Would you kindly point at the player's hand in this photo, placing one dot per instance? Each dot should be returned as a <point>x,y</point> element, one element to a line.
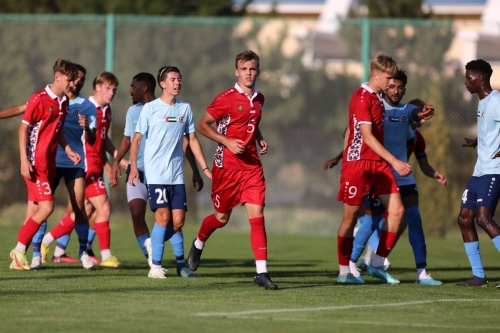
<point>82,121</point>
<point>73,156</point>
<point>208,173</point>
<point>440,178</point>
<point>197,181</point>
<point>263,145</point>
<point>470,143</point>
<point>133,176</point>
<point>404,169</point>
<point>235,146</point>
<point>426,113</point>
<point>330,164</point>
<point>26,169</point>
<point>115,169</point>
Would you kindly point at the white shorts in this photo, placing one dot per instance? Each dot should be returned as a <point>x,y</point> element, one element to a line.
<point>139,191</point>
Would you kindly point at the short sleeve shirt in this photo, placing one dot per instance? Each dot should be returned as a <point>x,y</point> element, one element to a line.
<point>163,127</point>
<point>131,120</point>
<point>238,116</point>
<point>96,154</point>
<point>45,115</point>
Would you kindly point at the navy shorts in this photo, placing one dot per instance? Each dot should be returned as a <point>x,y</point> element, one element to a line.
<point>69,174</point>
<point>163,196</point>
<point>482,191</point>
<point>376,205</point>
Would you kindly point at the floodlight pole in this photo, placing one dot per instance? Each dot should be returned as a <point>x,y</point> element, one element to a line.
<point>365,49</point>
<point>110,44</point>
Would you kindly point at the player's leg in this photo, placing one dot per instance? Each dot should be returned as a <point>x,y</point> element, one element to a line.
<point>31,208</point>
<point>137,197</point>
<point>36,261</point>
<point>177,242</point>
<point>89,208</point>
<point>345,241</point>
<point>103,232</point>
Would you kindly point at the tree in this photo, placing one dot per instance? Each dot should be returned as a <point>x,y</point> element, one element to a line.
<point>396,9</point>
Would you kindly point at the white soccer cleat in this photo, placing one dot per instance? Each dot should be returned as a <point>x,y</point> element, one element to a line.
<point>149,249</point>
<point>157,273</point>
<point>87,263</point>
<point>36,263</point>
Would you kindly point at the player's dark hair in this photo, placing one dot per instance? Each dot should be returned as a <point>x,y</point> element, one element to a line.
<point>163,72</point>
<point>247,56</point>
<point>480,66</point>
<point>401,76</point>
<point>67,68</point>
<point>80,68</point>
<point>147,79</point>
<point>417,102</point>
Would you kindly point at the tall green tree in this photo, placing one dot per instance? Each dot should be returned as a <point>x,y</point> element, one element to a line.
<point>396,8</point>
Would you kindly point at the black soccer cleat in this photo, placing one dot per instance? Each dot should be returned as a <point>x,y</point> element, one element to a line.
<point>264,280</point>
<point>497,285</point>
<point>194,256</point>
<point>474,281</point>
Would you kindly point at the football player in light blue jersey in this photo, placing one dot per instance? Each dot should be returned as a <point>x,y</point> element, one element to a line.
<point>142,91</point>
<point>482,192</point>
<point>397,132</point>
<point>163,123</point>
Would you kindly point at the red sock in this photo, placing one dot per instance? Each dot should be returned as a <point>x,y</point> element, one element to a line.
<point>344,249</point>
<point>208,226</point>
<point>258,238</point>
<point>386,243</point>
<point>63,228</point>
<point>103,234</point>
<point>28,230</point>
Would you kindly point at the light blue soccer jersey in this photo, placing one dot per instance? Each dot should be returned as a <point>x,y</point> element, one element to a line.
<point>131,120</point>
<point>163,127</point>
<point>488,135</point>
<point>397,131</point>
<point>74,133</point>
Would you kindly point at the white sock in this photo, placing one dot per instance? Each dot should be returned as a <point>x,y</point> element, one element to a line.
<point>153,266</point>
<point>369,251</point>
<point>20,247</point>
<point>261,266</point>
<point>105,254</point>
<point>59,251</point>
<point>47,239</point>
<point>378,261</point>
<point>343,270</point>
<point>422,274</point>
<point>199,244</point>
<point>353,269</point>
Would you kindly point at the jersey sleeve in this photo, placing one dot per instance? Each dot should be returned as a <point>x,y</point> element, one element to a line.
<point>91,114</point>
<point>361,109</point>
<point>33,111</point>
<point>189,126</point>
<point>142,124</point>
<point>129,124</point>
<point>219,107</point>
<point>494,107</point>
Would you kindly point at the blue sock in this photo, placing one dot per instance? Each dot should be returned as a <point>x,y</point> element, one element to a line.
<point>177,241</point>
<point>416,235</point>
<point>82,230</point>
<point>169,232</point>
<point>374,238</point>
<point>140,240</point>
<point>495,240</point>
<point>63,241</point>
<point>369,223</point>
<point>91,237</point>
<point>472,250</point>
<point>37,239</point>
<point>158,243</point>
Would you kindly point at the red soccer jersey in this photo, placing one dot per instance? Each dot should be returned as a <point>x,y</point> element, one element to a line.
<point>365,107</point>
<point>238,117</point>
<point>418,147</point>
<point>45,114</point>
<point>96,154</point>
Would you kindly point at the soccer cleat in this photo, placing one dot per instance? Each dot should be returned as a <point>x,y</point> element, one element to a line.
<point>157,273</point>
<point>149,250</point>
<point>428,281</point>
<point>184,271</point>
<point>497,285</point>
<point>110,262</point>
<point>264,280</point>
<point>474,281</point>
<point>44,250</point>
<point>194,256</point>
<point>93,257</point>
<point>381,274</point>
<point>64,259</point>
<point>19,261</point>
<point>362,266</point>
<point>36,263</point>
<point>87,263</point>
<point>350,279</point>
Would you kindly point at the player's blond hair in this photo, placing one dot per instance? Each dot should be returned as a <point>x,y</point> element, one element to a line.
<point>66,67</point>
<point>106,77</point>
<point>385,64</point>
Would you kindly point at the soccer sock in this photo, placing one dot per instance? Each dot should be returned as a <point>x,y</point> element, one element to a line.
<point>61,244</point>
<point>416,235</point>
<point>177,241</point>
<point>62,228</point>
<point>386,244</point>
<point>37,239</point>
<point>82,231</point>
<point>26,233</point>
<point>344,249</point>
<point>208,226</point>
<point>369,223</point>
<point>496,241</point>
<point>141,240</point>
<point>157,243</point>
<point>104,236</point>
<point>258,238</point>
<point>91,237</point>
<point>368,254</point>
<point>472,250</point>
<point>373,240</point>
<point>169,232</point>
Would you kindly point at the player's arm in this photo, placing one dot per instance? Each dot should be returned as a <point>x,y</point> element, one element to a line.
<point>12,111</point>
<point>111,149</point>
<point>188,152</point>
<point>401,167</point>
<point>115,167</point>
<point>333,162</point>
<point>260,140</point>
<point>470,143</point>
<point>134,151</point>
<point>197,151</point>
<point>26,168</point>
<point>422,114</point>
<point>427,169</point>
<point>71,154</point>
<point>89,132</point>
<point>205,128</point>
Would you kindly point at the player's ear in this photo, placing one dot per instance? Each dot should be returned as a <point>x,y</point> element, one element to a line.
<point>236,72</point>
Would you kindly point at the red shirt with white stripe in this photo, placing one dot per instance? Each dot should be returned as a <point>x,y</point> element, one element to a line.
<point>45,115</point>
<point>96,154</point>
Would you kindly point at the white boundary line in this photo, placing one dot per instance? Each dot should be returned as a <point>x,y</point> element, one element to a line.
<point>342,307</point>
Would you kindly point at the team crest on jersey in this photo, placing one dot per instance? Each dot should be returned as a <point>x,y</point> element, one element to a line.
<point>51,109</point>
<point>404,119</point>
<point>181,119</point>
<point>240,107</point>
<point>480,114</point>
<point>75,113</point>
<point>377,102</point>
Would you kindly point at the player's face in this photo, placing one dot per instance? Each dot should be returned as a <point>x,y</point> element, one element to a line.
<point>247,73</point>
<point>395,92</point>
<point>78,83</point>
<point>105,92</point>
<point>382,79</point>
<point>136,91</point>
<point>172,83</point>
<point>472,81</point>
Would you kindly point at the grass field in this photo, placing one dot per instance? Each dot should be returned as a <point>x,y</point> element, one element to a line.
<point>222,298</point>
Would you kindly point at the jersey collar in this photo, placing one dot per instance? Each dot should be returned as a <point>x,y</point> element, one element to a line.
<point>255,92</point>
<point>370,90</point>
<point>103,108</point>
<point>54,96</point>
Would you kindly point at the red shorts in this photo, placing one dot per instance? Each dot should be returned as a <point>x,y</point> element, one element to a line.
<point>94,185</point>
<point>233,186</point>
<point>40,186</point>
<point>358,178</point>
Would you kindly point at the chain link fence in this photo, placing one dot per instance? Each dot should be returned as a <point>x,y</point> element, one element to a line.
<point>307,77</point>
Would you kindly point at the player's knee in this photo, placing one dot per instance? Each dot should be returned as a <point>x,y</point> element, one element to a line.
<point>483,221</point>
<point>45,210</point>
<point>463,221</point>
<point>397,212</point>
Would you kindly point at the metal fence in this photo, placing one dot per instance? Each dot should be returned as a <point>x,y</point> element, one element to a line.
<point>307,77</point>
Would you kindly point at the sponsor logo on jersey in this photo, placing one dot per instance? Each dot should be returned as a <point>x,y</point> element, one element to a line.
<point>240,107</point>
<point>171,119</point>
<point>394,119</point>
